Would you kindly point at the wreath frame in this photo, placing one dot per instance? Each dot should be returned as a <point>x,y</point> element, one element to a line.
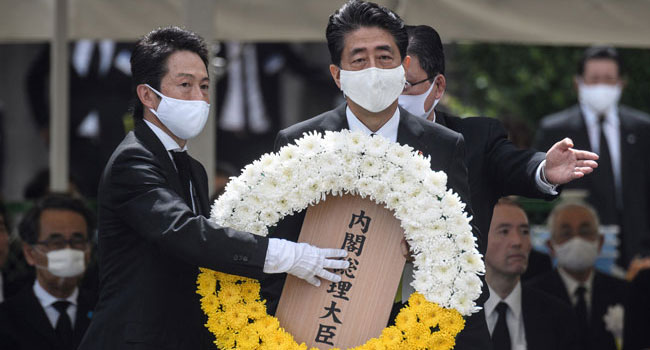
<point>447,262</point>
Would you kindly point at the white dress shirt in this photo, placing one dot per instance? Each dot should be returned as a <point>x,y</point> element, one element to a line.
<point>47,301</point>
<point>571,285</point>
<point>612,131</point>
<point>171,146</point>
<point>514,316</point>
<point>388,130</point>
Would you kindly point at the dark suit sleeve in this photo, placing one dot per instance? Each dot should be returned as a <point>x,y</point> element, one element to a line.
<point>281,140</point>
<point>513,169</point>
<point>142,198</point>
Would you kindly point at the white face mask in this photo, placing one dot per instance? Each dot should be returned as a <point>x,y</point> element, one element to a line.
<point>373,88</point>
<point>184,118</point>
<point>414,104</point>
<point>599,97</point>
<point>66,262</point>
<point>576,254</point>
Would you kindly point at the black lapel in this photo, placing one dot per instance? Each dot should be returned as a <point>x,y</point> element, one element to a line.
<point>409,132</point>
<point>336,119</point>
<point>153,144</point>
<point>34,315</point>
<point>84,314</point>
<point>532,324</point>
<point>581,138</point>
<point>200,187</point>
<point>560,288</point>
<point>598,306</point>
<point>628,139</point>
<point>441,118</point>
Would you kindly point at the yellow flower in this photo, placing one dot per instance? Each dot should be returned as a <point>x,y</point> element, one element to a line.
<point>429,314</point>
<point>250,291</point>
<point>451,322</point>
<point>248,338</point>
<point>442,340</point>
<point>418,336</point>
<point>236,318</point>
<point>229,295</point>
<point>406,319</point>
<point>416,300</point>
<point>391,337</point>
<point>256,310</point>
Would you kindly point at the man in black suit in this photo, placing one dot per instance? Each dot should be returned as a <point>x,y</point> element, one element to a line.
<point>496,167</point>
<point>520,317</point>
<point>153,199</point>
<point>367,45</point>
<point>52,313</point>
<point>620,188</point>
<point>637,313</point>
<point>575,243</point>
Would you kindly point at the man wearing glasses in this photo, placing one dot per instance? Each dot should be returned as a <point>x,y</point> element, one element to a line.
<point>53,313</point>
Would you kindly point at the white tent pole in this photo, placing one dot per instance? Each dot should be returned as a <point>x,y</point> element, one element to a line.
<point>199,18</point>
<point>59,99</point>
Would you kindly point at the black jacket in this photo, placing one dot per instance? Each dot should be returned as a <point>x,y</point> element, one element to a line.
<point>25,326</point>
<point>150,247</point>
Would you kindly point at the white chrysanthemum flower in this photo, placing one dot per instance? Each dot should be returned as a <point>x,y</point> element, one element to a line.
<point>471,261</point>
<point>377,146</point>
<point>288,152</point>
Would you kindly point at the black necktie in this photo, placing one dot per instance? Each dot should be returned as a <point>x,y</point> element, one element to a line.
<point>501,335</point>
<point>182,161</point>
<point>581,305</point>
<point>605,165</point>
<point>63,328</point>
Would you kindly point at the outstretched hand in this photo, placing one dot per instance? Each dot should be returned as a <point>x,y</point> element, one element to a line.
<point>565,164</point>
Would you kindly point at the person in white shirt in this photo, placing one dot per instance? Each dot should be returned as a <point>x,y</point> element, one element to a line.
<point>51,313</point>
<point>517,317</point>
<point>576,243</point>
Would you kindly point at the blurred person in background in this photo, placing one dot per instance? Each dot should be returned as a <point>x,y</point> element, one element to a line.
<point>576,243</point>
<point>619,189</point>
<point>637,313</point>
<point>520,317</point>
<point>52,312</point>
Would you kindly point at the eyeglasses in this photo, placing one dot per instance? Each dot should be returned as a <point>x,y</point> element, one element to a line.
<point>58,242</point>
<point>408,84</point>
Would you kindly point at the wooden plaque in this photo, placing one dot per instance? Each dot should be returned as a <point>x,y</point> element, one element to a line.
<point>348,313</point>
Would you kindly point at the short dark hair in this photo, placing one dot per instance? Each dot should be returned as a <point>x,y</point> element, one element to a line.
<point>149,58</point>
<point>600,52</point>
<point>30,224</point>
<point>425,44</point>
<point>356,14</point>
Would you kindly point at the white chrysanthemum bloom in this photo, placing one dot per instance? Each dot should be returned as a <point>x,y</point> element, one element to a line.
<point>466,242</point>
<point>356,142</point>
<point>310,143</point>
<point>614,320</point>
<point>377,146</point>
<point>471,261</point>
<point>288,152</point>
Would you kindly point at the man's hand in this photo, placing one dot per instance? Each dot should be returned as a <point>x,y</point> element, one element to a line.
<point>564,164</point>
<point>304,261</point>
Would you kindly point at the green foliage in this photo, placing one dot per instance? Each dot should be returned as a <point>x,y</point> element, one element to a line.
<point>529,82</point>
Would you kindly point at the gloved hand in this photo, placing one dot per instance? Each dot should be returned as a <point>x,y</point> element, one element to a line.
<point>303,260</point>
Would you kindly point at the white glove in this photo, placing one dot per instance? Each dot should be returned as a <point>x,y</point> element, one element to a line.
<point>304,261</point>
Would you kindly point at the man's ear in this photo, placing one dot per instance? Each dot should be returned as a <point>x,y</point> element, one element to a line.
<point>147,97</point>
<point>441,86</point>
<point>550,248</point>
<point>336,74</point>
<point>28,252</point>
<point>406,63</point>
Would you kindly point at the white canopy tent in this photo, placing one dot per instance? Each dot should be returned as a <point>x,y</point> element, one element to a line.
<point>555,22</point>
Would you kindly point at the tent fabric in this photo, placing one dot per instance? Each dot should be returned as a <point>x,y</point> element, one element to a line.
<point>556,22</point>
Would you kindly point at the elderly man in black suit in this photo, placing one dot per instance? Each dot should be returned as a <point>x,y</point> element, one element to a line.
<point>575,243</point>
<point>520,317</point>
<point>153,199</point>
<point>620,188</point>
<point>52,313</point>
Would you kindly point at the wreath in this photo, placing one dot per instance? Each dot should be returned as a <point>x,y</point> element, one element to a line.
<point>446,260</point>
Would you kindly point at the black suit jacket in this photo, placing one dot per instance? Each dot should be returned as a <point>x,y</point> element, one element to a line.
<point>25,326</point>
<point>150,247</point>
<point>635,174</point>
<point>637,314</point>
<point>548,322</point>
<point>447,151</point>
<point>606,291</point>
<point>496,167</point>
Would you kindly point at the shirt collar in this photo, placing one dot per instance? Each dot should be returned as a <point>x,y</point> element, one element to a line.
<point>388,130</point>
<point>513,300</point>
<point>591,117</point>
<point>167,141</point>
<point>571,284</point>
<point>46,299</point>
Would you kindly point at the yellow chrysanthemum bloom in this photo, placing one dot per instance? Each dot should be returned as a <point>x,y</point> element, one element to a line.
<point>418,336</point>
<point>452,322</point>
<point>443,340</point>
<point>406,319</point>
